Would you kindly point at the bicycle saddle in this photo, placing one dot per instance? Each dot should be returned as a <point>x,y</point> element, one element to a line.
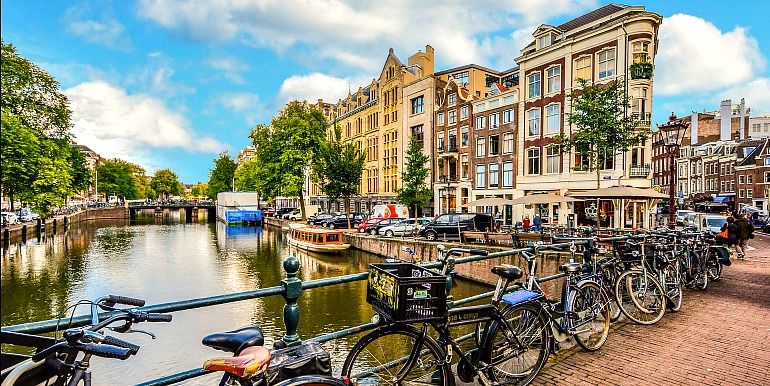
<point>508,272</point>
<point>237,340</point>
<point>252,361</point>
<point>571,267</point>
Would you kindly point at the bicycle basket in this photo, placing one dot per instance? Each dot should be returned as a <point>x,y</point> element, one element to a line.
<point>405,292</point>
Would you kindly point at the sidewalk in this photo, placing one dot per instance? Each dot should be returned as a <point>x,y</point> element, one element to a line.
<point>721,336</point>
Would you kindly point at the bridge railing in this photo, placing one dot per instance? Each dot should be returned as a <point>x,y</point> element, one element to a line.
<point>290,289</point>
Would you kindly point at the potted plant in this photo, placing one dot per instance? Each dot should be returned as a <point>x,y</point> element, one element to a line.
<point>641,70</point>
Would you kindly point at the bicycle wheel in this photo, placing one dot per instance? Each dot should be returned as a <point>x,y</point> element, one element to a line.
<point>313,380</point>
<point>700,275</point>
<point>517,350</point>
<point>608,278</point>
<point>714,266</point>
<point>674,288</point>
<point>642,298</point>
<point>589,313</point>
<point>381,356</point>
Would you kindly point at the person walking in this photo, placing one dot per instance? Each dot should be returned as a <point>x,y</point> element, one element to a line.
<point>537,222</point>
<point>732,232</point>
<point>745,232</point>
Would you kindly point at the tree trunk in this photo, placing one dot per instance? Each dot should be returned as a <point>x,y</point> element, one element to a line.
<point>346,201</point>
<point>302,206</point>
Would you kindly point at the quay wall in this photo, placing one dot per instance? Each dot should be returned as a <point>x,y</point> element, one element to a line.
<point>480,271</point>
<point>57,223</point>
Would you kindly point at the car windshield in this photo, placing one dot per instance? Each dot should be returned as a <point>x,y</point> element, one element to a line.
<point>716,222</point>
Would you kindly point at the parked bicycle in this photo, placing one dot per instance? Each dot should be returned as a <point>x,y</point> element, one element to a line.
<point>641,297</point>
<point>58,361</point>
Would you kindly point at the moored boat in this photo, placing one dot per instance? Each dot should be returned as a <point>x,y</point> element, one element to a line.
<point>316,239</point>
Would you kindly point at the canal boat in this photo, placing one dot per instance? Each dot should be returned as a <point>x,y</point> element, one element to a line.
<point>316,239</point>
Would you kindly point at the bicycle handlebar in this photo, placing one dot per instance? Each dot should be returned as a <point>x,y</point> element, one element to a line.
<point>111,300</point>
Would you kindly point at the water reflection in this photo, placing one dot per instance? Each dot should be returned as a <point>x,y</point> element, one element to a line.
<point>163,260</point>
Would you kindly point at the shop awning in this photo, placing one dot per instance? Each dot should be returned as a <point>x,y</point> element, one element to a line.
<point>721,199</point>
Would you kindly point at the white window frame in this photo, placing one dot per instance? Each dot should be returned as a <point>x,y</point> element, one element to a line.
<point>481,122</point>
<point>553,76</point>
<point>606,67</point>
<point>494,121</point>
<point>533,123</point>
<point>452,117</point>
<point>508,116</point>
<point>464,112</point>
<point>508,143</point>
<point>481,173</point>
<point>464,136</point>
<point>552,154</point>
<point>418,105</point>
<point>508,174</point>
<point>481,147</point>
<point>534,85</point>
<point>589,67</point>
<point>551,121</point>
<point>440,118</point>
<point>452,99</point>
<point>530,153</point>
<point>494,175</point>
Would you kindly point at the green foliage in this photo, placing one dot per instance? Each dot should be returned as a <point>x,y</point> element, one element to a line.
<point>246,176</point>
<point>221,177</point>
<point>415,192</point>
<point>266,178</point>
<point>199,190</point>
<point>602,129</point>
<point>118,177</point>
<point>166,183</point>
<point>337,168</point>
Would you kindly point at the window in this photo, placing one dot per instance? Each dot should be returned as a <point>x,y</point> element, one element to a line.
<point>554,79</point>
<point>464,136</point>
<point>533,161</point>
<point>583,68</point>
<point>440,141</point>
<point>544,41</point>
<point>462,77</point>
<point>750,179</point>
<point>533,83</point>
<point>551,160</point>
<point>607,63</point>
<point>453,99</point>
<point>749,193</point>
<point>740,193</point>
<point>507,116</point>
<point>494,169</point>
<point>508,174</point>
<point>418,105</point>
<point>494,145</point>
<point>494,120</point>
<point>553,115</point>
<point>417,133</point>
<point>464,112</point>
<point>481,145</point>
<point>741,179</point>
<point>452,117</point>
<point>640,51</point>
<point>453,140</point>
<point>464,166</point>
<point>440,118</point>
<point>533,123</point>
<point>507,143</point>
<point>481,175</point>
<point>481,122</point>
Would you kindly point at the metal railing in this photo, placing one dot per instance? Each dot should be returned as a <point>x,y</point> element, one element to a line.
<point>290,289</point>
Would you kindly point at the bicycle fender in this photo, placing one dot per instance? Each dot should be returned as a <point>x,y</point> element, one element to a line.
<point>723,253</point>
<point>583,281</point>
<point>520,296</point>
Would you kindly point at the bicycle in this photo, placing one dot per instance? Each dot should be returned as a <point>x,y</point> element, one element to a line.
<point>511,343</point>
<point>641,297</point>
<point>58,358</point>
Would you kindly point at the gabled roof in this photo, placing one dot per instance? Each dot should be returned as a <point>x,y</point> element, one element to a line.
<point>757,144</point>
<point>591,17</point>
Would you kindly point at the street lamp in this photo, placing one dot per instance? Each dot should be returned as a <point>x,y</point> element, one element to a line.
<point>671,135</point>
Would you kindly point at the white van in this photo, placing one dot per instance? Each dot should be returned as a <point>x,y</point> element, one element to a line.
<point>390,211</point>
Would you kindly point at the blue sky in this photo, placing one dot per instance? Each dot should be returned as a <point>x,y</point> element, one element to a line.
<point>171,83</point>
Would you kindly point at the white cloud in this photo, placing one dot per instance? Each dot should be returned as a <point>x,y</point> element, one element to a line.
<point>317,86</point>
<point>244,103</point>
<point>695,56</point>
<point>116,124</point>
<point>156,77</point>
<point>460,34</point>
<point>103,30</point>
<point>755,92</point>
<point>232,68</point>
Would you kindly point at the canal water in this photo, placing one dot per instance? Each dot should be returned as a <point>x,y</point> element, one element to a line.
<point>166,260</point>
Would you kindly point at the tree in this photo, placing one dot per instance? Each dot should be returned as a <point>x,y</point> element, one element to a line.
<point>221,177</point>
<point>266,178</point>
<point>291,143</point>
<point>119,177</point>
<point>599,114</point>
<point>166,183</point>
<point>199,190</point>
<point>337,168</point>
<point>415,191</point>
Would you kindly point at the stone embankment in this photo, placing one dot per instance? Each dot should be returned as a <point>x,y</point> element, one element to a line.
<point>20,232</point>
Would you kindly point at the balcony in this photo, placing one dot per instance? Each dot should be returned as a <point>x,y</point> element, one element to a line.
<point>639,171</point>
<point>450,179</point>
<point>642,70</point>
<point>643,119</point>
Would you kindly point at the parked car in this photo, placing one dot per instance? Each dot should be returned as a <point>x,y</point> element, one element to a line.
<point>295,215</point>
<point>366,224</point>
<point>710,222</point>
<point>766,228</point>
<point>341,221</point>
<point>451,224</point>
<point>319,218</point>
<point>268,212</point>
<point>283,211</point>
<point>9,218</point>
<point>374,229</point>
<point>405,227</point>
<point>690,220</point>
<point>27,215</point>
<point>680,215</point>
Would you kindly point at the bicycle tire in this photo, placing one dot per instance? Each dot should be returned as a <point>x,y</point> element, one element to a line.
<point>532,330</point>
<point>374,357</point>
<point>608,281</point>
<point>714,267</point>
<point>588,308</point>
<point>674,288</point>
<point>700,274</point>
<point>642,297</point>
<point>313,380</point>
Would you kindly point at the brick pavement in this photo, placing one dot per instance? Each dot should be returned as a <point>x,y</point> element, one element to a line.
<point>721,336</point>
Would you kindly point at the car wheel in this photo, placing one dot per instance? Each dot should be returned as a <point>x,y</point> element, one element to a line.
<point>389,233</point>
<point>431,235</point>
<point>331,226</point>
<point>372,232</point>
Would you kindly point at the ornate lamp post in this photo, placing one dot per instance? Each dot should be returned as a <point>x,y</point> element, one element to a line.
<point>671,134</point>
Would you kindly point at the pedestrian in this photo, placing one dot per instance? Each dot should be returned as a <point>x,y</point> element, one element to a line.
<point>745,232</point>
<point>537,222</point>
<point>732,232</point>
<point>525,223</point>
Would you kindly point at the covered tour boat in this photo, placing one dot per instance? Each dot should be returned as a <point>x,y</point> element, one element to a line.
<point>316,239</point>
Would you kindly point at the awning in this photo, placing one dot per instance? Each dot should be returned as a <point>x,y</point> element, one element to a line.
<point>721,199</point>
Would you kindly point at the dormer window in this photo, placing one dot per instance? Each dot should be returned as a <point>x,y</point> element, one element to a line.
<point>544,41</point>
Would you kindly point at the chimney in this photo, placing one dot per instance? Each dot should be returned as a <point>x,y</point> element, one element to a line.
<point>694,128</point>
<point>743,117</point>
<point>725,118</point>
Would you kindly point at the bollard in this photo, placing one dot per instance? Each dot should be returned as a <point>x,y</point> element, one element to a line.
<point>6,235</point>
<point>54,226</point>
<point>38,226</point>
<point>24,233</point>
<point>292,289</point>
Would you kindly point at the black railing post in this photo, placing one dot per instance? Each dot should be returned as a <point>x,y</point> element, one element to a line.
<point>292,289</point>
